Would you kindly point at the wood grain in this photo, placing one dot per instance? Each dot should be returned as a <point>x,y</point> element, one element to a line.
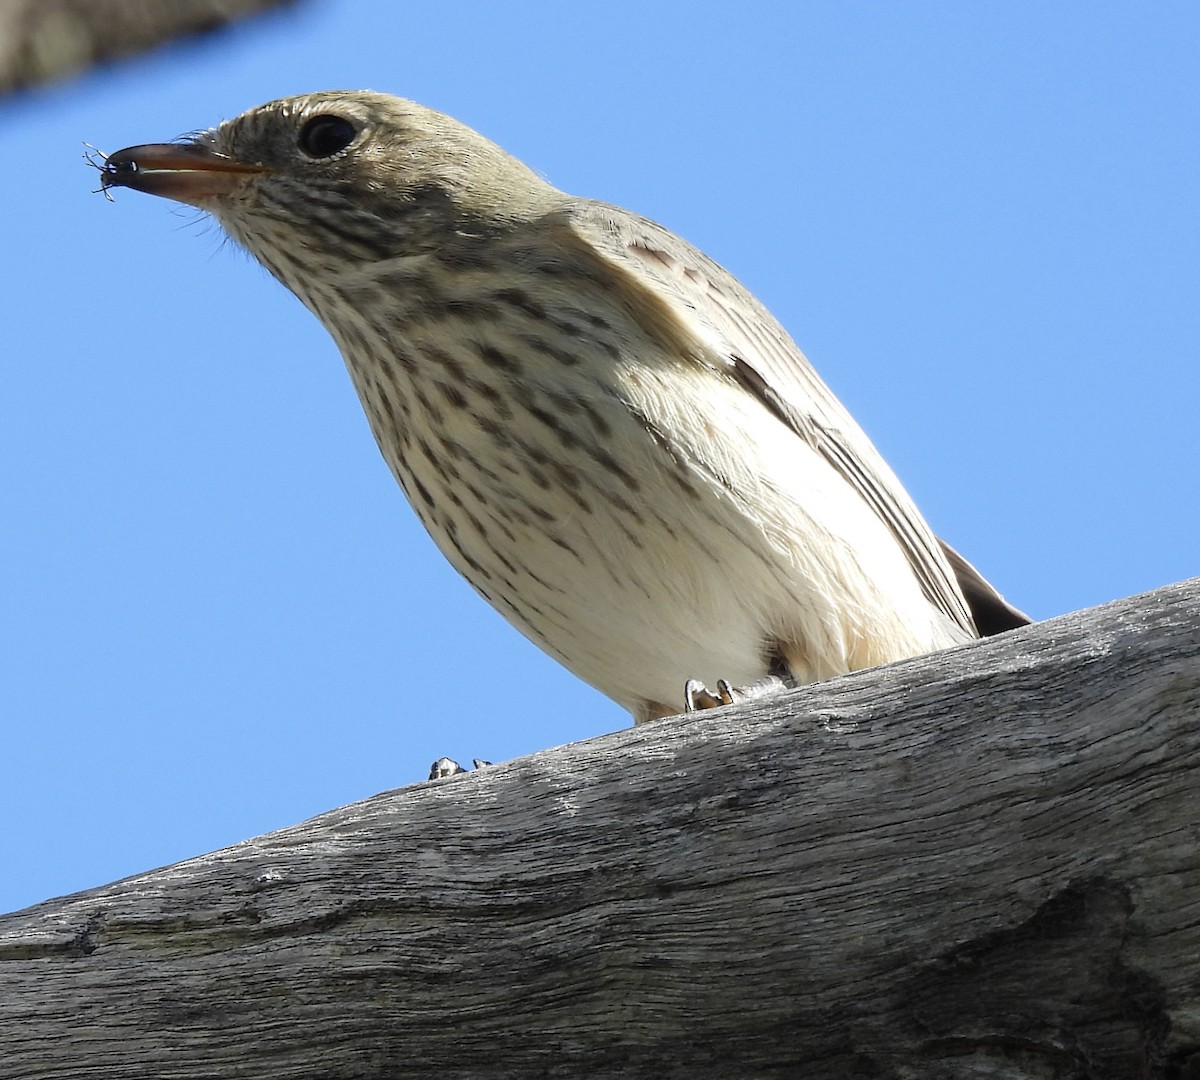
<point>981,863</point>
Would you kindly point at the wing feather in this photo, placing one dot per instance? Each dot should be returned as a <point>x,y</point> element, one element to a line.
<point>754,349</point>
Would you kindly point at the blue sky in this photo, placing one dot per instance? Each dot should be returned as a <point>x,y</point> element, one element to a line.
<point>218,615</point>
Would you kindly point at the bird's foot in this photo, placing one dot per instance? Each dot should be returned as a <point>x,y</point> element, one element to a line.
<point>445,766</point>
<point>697,696</point>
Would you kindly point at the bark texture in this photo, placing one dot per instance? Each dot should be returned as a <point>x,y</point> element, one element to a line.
<point>981,863</point>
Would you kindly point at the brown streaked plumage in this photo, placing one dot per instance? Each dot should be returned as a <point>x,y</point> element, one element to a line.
<point>605,433</point>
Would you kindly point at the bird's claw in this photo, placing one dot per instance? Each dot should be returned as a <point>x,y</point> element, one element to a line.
<point>697,696</point>
<point>445,766</point>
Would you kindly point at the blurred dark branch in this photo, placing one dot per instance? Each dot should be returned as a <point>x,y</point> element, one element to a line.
<point>45,40</point>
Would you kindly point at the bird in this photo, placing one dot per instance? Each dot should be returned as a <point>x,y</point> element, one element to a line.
<point>604,432</point>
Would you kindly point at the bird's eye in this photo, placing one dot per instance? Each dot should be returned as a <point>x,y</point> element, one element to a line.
<point>324,136</point>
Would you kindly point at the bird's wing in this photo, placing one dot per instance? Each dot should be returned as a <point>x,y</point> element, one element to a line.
<point>755,350</point>
<point>991,612</point>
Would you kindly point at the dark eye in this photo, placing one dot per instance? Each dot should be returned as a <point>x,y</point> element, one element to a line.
<point>324,136</point>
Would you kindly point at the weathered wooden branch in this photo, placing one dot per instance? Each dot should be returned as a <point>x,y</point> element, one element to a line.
<point>982,863</point>
<point>43,40</point>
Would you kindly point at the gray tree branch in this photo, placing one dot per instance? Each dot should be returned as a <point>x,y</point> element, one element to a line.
<point>981,863</point>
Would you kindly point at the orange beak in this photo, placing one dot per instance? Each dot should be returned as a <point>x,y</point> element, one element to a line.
<point>187,172</point>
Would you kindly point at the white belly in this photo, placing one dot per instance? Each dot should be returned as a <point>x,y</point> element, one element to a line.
<point>644,567</point>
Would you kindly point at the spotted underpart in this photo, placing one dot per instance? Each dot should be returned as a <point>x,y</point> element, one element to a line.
<point>615,443</point>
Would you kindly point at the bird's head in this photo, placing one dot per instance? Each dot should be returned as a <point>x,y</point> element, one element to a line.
<point>337,178</point>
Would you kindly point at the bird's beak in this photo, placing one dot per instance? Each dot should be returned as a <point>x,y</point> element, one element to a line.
<point>187,172</point>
